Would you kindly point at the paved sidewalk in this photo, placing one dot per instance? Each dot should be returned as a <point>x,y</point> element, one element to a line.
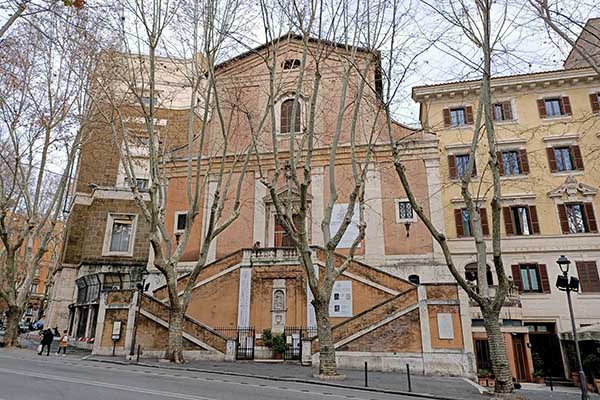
<point>436,387</point>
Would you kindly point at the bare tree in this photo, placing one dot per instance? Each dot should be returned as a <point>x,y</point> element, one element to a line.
<point>41,107</point>
<point>476,22</point>
<point>128,87</point>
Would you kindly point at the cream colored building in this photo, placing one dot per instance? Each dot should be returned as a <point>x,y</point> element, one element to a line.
<point>548,130</point>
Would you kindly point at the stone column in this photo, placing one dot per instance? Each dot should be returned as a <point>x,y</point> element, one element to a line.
<point>96,349</point>
<point>374,235</point>
<point>260,212</point>
<point>129,329</point>
<point>424,319</point>
<point>243,319</point>
<point>436,208</point>
<point>318,205</point>
<point>210,194</point>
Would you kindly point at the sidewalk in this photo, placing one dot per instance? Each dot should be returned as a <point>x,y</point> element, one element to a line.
<point>434,386</point>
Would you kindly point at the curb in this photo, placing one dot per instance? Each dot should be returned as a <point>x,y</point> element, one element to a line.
<point>275,378</point>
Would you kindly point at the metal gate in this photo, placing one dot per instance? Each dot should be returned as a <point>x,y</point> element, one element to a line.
<point>293,339</point>
<point>245,343</point>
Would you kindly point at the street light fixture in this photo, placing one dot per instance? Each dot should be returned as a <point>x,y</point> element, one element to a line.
<point>571,285</point>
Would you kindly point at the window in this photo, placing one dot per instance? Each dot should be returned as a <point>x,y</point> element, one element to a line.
<point>595,102</point>
<point>458,165</point>
<point>471,274</point>
<point>577,218</point>
<point>285,118</point>
<point>29,311</point>
<point>141,183</point>
<point>531,278</point>
<point>464,227</point>
<point>119,237</point>
<point>405,211</point>
<point>36,272</point>
<point>180,221</point>
<point>146,101</point>
<point>521,220</point>
<point>34,288</point>
<point>513,162</point>
<point>503,111</point>
<point>482,352</point>
<point>565,158</point>
<point>554,107</point>
<point>458,116</point>
<point>414,279</point>
<point>291,63</point>
<point>588,276</point>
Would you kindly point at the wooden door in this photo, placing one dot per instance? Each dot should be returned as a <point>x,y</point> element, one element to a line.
<point>520,358</point>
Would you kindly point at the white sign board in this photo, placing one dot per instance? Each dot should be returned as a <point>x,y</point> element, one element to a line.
<point>340,304</point>
<point>116,330</point>
<point>337,217</point>
<point>445,326</point>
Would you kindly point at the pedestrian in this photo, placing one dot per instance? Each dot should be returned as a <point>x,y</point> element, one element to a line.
<point>62,343</point>
<point>47,338</point>
<point>56,332</point>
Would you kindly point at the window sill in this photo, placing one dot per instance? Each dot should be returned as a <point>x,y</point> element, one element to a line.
<point>513,177</point>
<point>459,180</point>
<point>567,173</point>
<point>534,294</point>
<point>557,118</point>
<point>406,220</point>
<point>458,127</point>
<point>507,122</point>
<point>117,254</point>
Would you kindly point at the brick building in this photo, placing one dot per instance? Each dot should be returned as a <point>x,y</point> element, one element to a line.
<point>390,305</point>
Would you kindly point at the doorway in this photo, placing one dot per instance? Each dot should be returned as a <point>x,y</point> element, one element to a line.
<point>545,348</point>
<point>520,358</point>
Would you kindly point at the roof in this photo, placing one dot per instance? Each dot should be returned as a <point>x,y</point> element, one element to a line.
<point>295,37</point>
<point>507,79</point>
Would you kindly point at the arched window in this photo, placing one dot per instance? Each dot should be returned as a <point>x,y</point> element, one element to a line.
<point>414,279</point>
<point>285,118</point>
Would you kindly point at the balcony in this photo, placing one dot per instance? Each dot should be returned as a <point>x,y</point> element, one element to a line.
<point>512,308</point>
<point>270,256</point>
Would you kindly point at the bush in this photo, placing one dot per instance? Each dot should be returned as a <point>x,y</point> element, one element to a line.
<point>267,338</point>
<point>279,343</point>
<point>591,365</point>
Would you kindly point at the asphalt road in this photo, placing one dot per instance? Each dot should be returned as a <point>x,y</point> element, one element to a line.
<point>26,376</point>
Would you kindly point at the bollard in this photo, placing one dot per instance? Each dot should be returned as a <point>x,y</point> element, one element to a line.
<point>551,385</point>
<point>138,353</point>
<point>366,376</point>
<point>408,377</point>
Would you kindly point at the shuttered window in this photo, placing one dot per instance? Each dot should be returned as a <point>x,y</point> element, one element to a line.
<point>458,116</point>
<point>577,218</point>
<point>513,162</point>
<point>464,227</point>
<point>588,276</point>
<point>595,102</point>
<point>503,111</point>
<point>521,220</point>
<point>458,165</point>
<point>554,107</point>
<point>565,158</point>
<point>531,278</point>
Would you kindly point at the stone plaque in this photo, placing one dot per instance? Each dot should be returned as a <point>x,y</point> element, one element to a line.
<point>445,326</point>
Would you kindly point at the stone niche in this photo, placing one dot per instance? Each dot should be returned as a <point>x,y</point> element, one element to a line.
<point>278,308</point>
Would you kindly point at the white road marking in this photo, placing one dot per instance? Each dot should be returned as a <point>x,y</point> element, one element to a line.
<point>105,385</point>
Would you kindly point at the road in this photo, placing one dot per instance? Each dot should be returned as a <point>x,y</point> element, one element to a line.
<point>26,376</point>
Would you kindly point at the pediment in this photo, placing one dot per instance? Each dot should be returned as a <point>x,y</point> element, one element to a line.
<point>286,193</point>
<point>572,189</point>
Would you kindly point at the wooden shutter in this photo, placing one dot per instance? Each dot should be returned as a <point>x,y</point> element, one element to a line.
<point>485,227</point>
<point>544,281</point>
<point>524,161</point>
<point>458,219</point>
<point>469,115</point>
<point>577,157</point>
<point>447,119</point>
<point>509,226</point>
<point>500,163</point>
<point>551,159</point>
<point>590,218</point>
<point>594,102</point>
<point>566,106</point>
<point>452,166</point>
<point>588,276</point>
<point>541,104</point>
<point>535,223</point>
<point>564,221</point>
<point>516,274</point>
<point>507,111</point>
<point>474,172</point>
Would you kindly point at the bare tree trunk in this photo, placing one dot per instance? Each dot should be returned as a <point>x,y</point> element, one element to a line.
<point>174,351</point>
<point>327,364</point>
<point>11,336</point>
<point>500,366</point>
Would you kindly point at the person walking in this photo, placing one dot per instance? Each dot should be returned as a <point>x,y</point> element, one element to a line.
<point>63,343</point>
<point>47,338</point>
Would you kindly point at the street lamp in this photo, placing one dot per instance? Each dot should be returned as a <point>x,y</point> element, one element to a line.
<point>571,285</point>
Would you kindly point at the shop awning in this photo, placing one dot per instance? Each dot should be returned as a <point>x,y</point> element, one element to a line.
<point>591,333</point>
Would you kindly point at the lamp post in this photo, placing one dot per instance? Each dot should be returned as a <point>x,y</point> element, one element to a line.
<point>571,285</point>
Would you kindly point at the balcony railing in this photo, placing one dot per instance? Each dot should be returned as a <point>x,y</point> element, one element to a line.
<point>270,255</point>
<point>513,298</point>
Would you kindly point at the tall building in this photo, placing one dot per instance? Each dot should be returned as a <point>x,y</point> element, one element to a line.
<point>547,141</point>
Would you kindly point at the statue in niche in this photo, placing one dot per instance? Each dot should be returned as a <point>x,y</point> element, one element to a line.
<point>278,300</point>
